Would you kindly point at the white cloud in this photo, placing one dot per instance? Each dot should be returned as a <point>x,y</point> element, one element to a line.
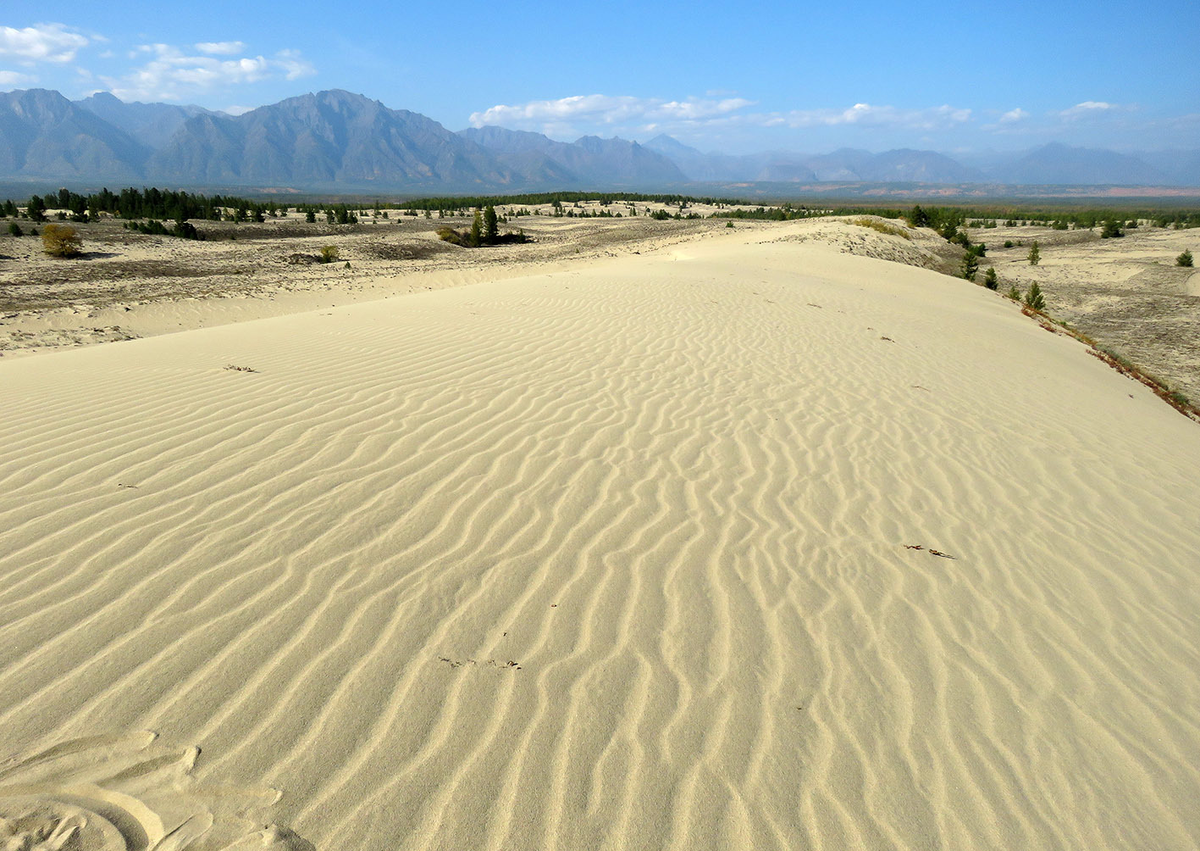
<point>221,48</point>
<point>40,43</point>
<point>606,109</point>
<point>866,115</point>
<point>1013,115</point>
<point>1088,107</point>
<point>237,110</point>
<point>642,115</point>
<point>13,78</point>
<point>172,74</point>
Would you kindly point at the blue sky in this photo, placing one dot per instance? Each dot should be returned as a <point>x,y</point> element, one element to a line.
<point>732,76</point>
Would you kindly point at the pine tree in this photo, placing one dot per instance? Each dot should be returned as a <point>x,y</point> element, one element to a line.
<point>1034,298</point>
<point>989,279</point>
<point>491,229</point>
<point>1035,254</point>
<point>37,209</point>
<point>970,265</point>
<point>476,238</point>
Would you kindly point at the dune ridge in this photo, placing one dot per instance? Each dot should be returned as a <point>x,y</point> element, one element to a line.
<point>738,545</point>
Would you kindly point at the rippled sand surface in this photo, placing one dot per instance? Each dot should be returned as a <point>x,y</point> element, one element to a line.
<point>734,546</point>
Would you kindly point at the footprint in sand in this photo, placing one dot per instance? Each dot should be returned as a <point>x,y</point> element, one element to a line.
<point>128,793</point>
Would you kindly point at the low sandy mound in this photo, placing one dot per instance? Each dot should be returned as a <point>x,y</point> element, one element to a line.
<point>892,241</point>
<point>765,546</point>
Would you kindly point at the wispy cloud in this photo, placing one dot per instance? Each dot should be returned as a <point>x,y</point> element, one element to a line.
<point>13,78</point>
<point>638,114</point>
<point>40,43</point>
<point>171,74</point>
<point>606,109</point>
<point>867,115</point>
<point>1089,108</point>
<point>1013,116</point>
<point>221,48</point>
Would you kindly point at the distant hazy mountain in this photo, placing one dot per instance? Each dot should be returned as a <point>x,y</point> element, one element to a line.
<point>697,165</point>
<point>1181,167</point>
<point>1058,163</point>
<point>152,124</point>
<point>336,139</point>
<point>908,166</point>
<point>589,161</point>
<point>44,135</point>
<point>842,165</point>
<point>846,164</point>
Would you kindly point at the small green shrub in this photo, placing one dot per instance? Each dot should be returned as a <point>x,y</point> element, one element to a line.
<point>1008,243</point>
<point>1035,254</point>
<point>990,280</point>
<point>1013,293</point>
<point>329,253</point>
<point>465,239</point>
<point>14,229</point>
<point>452,236</point>
<point>1184,259</point>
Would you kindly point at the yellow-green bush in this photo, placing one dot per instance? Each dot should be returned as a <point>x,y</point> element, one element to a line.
<point>61,241</point>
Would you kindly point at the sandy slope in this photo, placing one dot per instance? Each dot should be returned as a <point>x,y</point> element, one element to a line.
<point>637,555</point>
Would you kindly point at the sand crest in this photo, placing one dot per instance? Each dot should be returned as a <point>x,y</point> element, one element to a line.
<point>736,545</point>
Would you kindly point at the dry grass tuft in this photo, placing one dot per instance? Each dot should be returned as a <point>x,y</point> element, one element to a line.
<point>882,227</point>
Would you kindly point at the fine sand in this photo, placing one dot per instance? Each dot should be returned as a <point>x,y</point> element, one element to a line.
<point>744,543</point>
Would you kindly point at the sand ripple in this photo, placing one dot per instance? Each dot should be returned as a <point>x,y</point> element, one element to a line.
<point>623,558</point>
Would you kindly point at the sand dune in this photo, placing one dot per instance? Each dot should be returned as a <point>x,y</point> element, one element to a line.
<point>738,545</point>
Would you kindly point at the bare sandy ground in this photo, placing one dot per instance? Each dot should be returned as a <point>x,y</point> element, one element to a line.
<point>745,542</point>
<point>129,285</point>
<point>1126,293</point>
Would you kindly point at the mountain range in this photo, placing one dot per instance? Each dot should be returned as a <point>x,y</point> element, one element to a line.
<point>336,140</point>
<point>1050,164</point>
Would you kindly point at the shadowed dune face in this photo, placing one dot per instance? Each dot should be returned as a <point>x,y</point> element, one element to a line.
<point>757,546</point>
